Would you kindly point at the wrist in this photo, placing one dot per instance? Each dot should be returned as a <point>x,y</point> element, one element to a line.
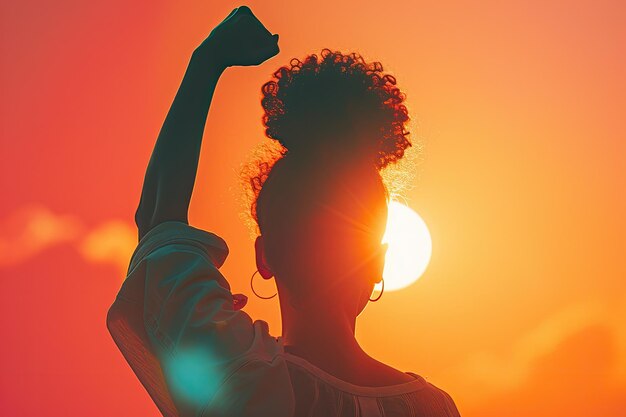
<point>208,56</point>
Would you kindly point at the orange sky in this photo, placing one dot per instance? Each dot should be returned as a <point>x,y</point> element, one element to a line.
<point>517,105</point>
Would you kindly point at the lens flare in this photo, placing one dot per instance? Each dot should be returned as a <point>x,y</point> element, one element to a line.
<point>410,247</point>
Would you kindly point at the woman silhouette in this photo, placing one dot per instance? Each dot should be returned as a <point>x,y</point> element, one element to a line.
<point>320,207</point>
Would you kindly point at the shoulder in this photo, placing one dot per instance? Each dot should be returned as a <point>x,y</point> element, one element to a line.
<point>168,237</point>
<point>442,399</point>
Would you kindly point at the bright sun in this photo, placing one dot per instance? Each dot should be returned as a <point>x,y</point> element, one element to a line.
<point>409,249</point>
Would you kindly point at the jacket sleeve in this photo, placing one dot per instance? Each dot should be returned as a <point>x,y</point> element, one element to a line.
<point>215,360</point>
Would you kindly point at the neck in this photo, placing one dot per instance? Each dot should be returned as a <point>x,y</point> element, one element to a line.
<point>323,335</point>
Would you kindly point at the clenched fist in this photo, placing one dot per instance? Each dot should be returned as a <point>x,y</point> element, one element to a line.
<point>239,40</point>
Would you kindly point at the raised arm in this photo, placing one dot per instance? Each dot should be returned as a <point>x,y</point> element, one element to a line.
<point>240,39</point>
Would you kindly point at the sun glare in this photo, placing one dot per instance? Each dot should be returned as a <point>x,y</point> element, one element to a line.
<point>409,249</point>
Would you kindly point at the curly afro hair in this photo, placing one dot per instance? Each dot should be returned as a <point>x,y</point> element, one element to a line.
<point>339,100</point>
<point>332,105</point>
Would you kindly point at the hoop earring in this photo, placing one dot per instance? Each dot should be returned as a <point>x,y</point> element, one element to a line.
<point>252,286</point>
<point>381,292</point>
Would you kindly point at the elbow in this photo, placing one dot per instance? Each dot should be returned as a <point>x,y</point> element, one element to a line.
<point>111,319</point>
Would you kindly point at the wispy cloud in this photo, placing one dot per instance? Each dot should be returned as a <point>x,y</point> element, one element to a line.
<point>30,230</point>
<point>112,242</point>
<point>578,379</point>
<point>585,341</point>
<point>506,371</point>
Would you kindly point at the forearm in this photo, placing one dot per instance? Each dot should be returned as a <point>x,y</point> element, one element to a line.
<point>171,172</point>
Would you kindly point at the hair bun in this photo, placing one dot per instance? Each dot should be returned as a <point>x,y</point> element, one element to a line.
<point>336,105</point>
